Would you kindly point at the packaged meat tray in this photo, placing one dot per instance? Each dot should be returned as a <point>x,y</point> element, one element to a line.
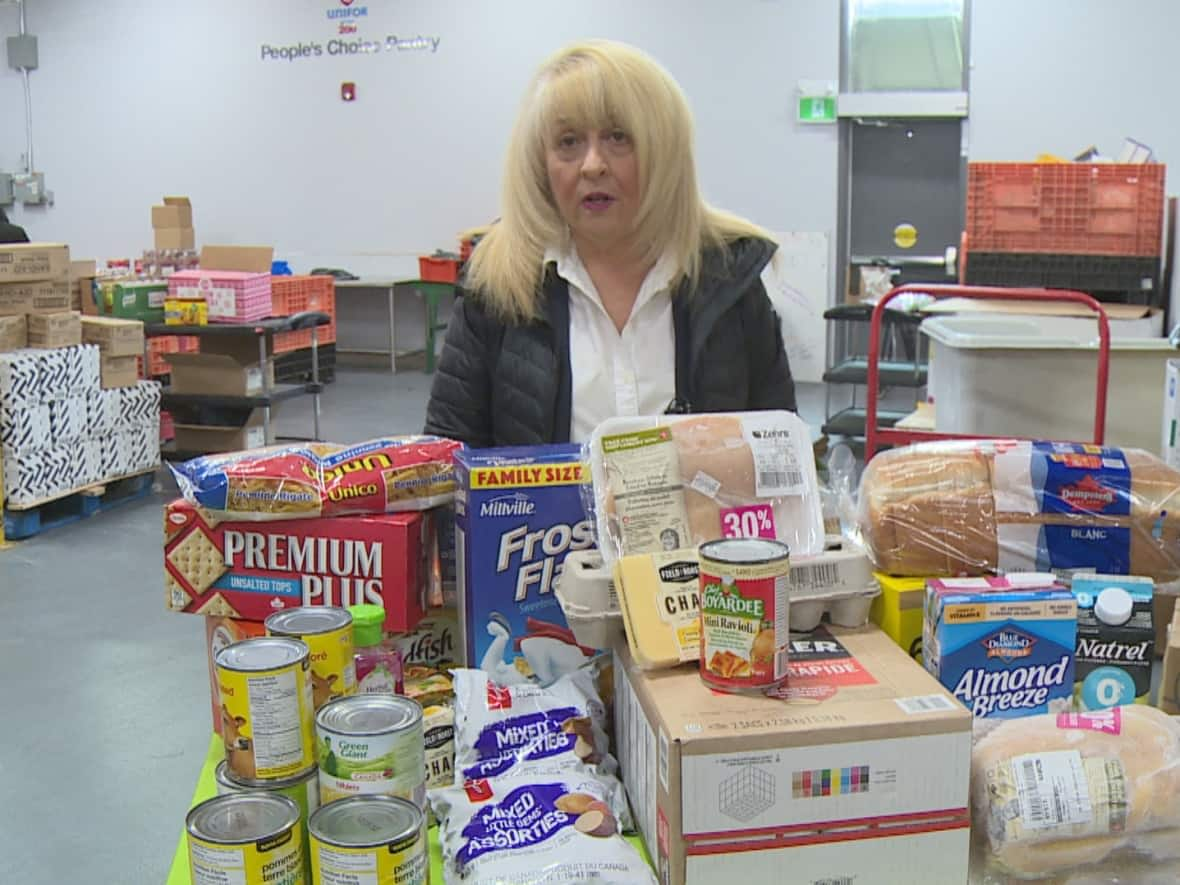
<point>669,482</point>
<point>996,506</point>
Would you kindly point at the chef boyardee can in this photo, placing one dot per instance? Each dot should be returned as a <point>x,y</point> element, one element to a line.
<point>379,837</point>
<point>744,608</point>
<point>251,838</point>
<point>328,634</point>
<point>372,745</point>
<point>266,715</point>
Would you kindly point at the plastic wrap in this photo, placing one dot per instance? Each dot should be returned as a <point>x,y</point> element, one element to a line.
<point>1059,794</point>
<point>996,506</point>
<point>675,481</point>
<point>311,480</point>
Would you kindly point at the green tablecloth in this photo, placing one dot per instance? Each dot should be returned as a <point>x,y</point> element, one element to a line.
<point>207,788</point>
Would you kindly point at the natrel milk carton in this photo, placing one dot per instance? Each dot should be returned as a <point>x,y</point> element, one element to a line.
<point>1003,646</point>
<point>1116,640</point>
<point>518,512</point>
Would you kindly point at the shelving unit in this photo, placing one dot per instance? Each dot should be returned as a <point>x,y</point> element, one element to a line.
<point>853,369</point>
<point>272,394</point>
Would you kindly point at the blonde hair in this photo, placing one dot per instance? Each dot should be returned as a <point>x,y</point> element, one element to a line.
<point>598,84</point>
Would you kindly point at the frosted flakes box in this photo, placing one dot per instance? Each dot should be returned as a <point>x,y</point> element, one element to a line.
<point>518,512</point>
<point>1004,647</point>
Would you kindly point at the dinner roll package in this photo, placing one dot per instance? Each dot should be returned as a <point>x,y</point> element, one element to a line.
<point>671,482</point>
<point>982,507</point>
<point>1064,793</point>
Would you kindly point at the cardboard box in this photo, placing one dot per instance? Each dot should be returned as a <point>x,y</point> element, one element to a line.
<point>133,300</point>
<point>248,259</point>
<point>174,238</point>
<point>251,434</point>
<point>859,771</point>
<point>1169,700</point>
<point>220,632</point>
<point>51,330</point>
<point>186,312</point>
<point>232,370</point>
<point>176,212</point>
<point>898,611</point>
<point>251,569</point>
<point>28,262</point>
<point>119,371</point>
<point>114,337</point>
<point>41,296</point>
<point>14,333</point>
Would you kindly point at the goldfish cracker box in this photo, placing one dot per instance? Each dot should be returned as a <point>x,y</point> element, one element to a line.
<point>518,512</point>
<point>1003,646</point>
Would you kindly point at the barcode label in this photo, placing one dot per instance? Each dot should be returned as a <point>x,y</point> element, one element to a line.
<point>929,703</point>
<point>1052,789</point>
<point>813,577</point>
<point>839,880</point>
<point>780,479</point>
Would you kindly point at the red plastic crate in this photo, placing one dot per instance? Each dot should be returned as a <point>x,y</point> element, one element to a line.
<point>1066,208</point>
<point>438,270</point>
<point>285,342</point>
<point>295,294</point>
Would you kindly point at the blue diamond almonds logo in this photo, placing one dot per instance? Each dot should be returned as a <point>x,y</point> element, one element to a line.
<point>1009,645</point>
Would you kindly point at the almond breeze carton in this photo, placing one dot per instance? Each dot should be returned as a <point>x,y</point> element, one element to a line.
<point>518,512</point>
<point>1003,646</point>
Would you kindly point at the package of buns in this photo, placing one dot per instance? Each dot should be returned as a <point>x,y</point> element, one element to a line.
<point>1067,792</point>
<point>980,507</point>
<point>672,482</point>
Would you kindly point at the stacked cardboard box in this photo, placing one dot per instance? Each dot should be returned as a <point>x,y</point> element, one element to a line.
<point>34,280</point>
<point>60,431</point>
<point>228,367</point>
<point>172,224</point>
<point>120,342</point>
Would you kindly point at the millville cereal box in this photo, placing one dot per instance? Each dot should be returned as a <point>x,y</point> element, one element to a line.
<point>518,512</point>
<point>250,569</point>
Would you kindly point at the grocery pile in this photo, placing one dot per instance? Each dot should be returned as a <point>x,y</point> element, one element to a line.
<point>73,413</point>
<point>705,674</point>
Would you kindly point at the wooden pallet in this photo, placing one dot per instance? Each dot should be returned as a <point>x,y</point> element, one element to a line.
<point>30,519</point>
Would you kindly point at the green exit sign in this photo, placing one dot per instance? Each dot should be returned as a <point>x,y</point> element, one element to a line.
<point>817,109</point>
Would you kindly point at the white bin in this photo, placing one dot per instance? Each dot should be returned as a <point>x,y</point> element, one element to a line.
<point>1003,376</point>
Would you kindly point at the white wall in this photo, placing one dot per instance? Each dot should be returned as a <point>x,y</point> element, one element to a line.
<point>1059,75</point>
<point>136,100</point>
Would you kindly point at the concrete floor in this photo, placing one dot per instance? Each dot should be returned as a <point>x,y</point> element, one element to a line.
<point>106,696</point>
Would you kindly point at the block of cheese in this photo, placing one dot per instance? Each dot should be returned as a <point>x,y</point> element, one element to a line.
<point>988,506</point>
<point>659,594</point>
<point>1058,792</point>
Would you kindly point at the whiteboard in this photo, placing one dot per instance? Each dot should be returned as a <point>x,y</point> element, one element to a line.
<point>797,283</point>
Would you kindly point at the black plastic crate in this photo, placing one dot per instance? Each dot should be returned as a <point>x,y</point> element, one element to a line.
<point>1095,274</point>
<point>295,367</point>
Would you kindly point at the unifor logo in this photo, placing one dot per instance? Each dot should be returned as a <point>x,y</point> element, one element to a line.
<point>1088,494</point>
<point>347,10</point>
<point>1009,645</point>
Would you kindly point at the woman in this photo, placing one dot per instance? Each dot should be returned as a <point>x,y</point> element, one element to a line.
<point>607,287</point>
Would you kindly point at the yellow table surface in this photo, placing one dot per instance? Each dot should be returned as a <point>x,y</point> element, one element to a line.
<point>207,788</point>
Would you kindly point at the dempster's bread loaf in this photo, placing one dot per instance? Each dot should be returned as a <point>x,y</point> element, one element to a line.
<point>978,507</point>
<point>1059,792</point>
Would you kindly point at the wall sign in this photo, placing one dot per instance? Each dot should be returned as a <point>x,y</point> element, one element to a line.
<point>346,18</point>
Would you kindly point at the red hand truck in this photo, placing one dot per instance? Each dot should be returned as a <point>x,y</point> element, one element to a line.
<point>876,436</point>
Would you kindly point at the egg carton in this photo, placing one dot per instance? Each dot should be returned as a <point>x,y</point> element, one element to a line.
<point>838,582</point>
<point>586,593</point>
